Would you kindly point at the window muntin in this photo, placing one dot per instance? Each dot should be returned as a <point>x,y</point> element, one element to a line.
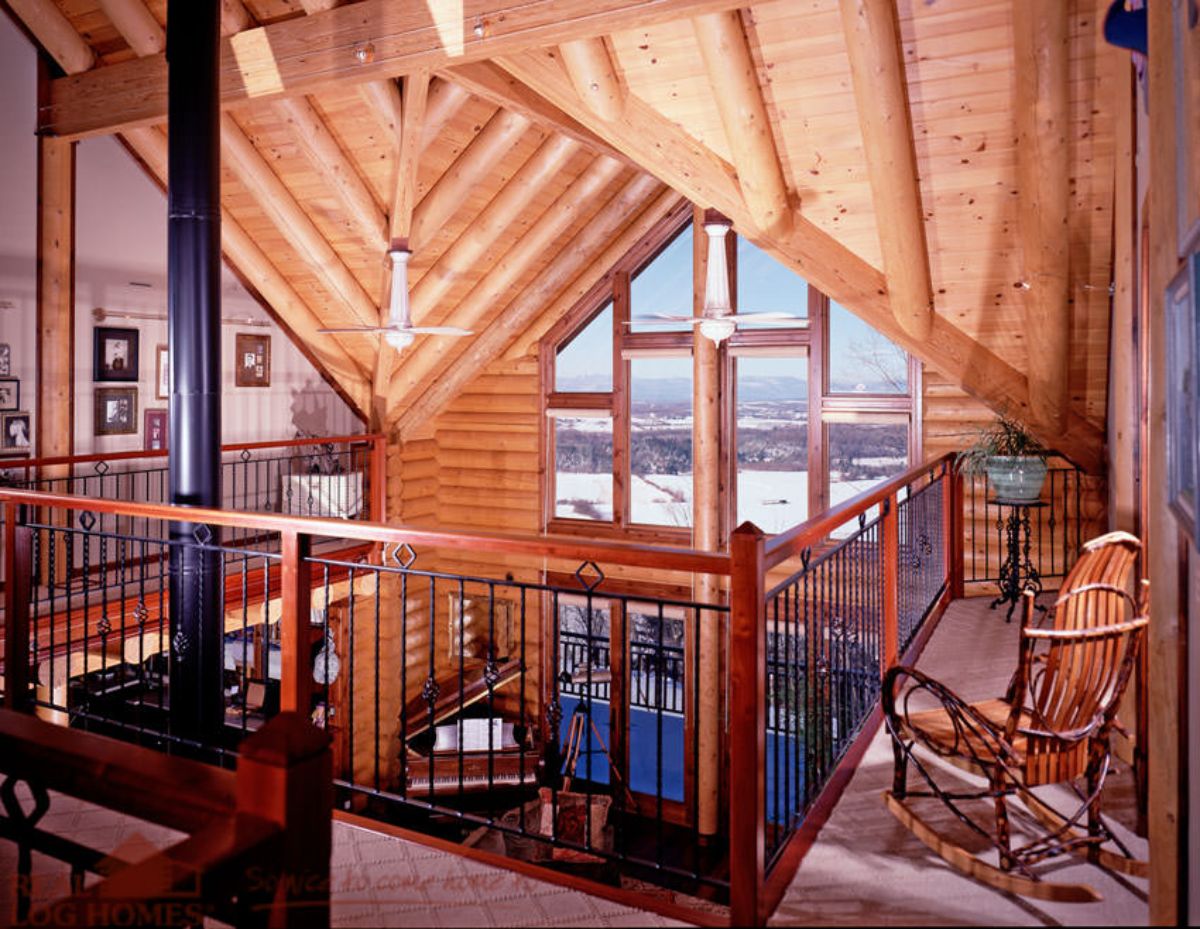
<point>861,361</point>
<point>886,393</point>
<point>772,441</point>
<point>660,440</point>
<point>584,364</point>
<point>663,287</point>
<point>583,465</point>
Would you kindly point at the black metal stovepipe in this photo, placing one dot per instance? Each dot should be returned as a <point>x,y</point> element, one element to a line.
<point>194,338</point>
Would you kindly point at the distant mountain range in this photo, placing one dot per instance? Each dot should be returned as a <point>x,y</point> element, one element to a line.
<point>679,389</point>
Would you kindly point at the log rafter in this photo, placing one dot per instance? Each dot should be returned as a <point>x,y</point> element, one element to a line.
<point>574,271</point>
<point>739,99</point>
<point>664,149</point>
<point>1041,50</point>
<point>881,97</point>
<point>151,148</point>
<point>595,76</point>
<point>309,53</point>
<point>533,245</point>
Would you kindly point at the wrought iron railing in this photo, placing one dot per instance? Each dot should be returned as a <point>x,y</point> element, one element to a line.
<point>457,699</point>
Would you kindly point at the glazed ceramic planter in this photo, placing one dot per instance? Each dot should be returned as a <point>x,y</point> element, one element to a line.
<point>1016,478</point>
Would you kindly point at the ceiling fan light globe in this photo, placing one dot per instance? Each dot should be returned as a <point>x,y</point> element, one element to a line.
<point>717,328</point>
<point>399,340</point>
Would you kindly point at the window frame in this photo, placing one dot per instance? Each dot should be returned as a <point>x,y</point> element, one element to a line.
<point>812,337</point>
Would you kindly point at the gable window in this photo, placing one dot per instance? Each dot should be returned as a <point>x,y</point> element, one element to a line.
<point>812,411</point>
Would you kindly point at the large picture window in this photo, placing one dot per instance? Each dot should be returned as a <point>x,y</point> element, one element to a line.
<point>812,411</point>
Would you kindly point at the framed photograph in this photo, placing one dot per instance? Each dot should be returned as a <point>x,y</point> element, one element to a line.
<point>1183,396</point>
<point>115,411</point>
<point>1186,16</point>
<point>162,373</point>
<point>15,433</point>
<point>5,359</point>
<point>114,354</point>
<point>252,360</point>
<point>155,431</point>
<point>10,393</point>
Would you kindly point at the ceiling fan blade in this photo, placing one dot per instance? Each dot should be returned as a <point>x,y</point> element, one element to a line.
<point>767,317</point>
<point>364,329</point>
<point>662,320</point>
<point>438,330</point>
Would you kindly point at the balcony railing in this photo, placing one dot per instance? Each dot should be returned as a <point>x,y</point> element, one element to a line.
<point>464,698</point>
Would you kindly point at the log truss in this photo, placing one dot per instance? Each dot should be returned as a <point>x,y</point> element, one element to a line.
<point>512,149</point>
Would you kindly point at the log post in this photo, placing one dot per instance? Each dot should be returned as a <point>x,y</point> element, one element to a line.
<point>706,535</point>
<point>747,727</point>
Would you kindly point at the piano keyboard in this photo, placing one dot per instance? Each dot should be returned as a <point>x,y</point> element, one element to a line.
<point>449,783</point>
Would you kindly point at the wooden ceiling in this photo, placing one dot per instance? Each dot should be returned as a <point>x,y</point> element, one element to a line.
<point>554,132</point>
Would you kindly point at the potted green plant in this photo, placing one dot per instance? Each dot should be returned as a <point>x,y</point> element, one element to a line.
<point>1014,461</point>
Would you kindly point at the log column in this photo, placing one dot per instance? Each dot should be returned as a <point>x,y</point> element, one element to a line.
<point>706,532</point>
<point>194,337</point>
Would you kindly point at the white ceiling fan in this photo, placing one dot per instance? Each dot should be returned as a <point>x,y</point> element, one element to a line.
<point>718,322</point>
<point>400,332</point>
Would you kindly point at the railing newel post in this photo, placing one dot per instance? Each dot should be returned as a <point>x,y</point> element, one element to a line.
<point>890,526</point>
<point>295,683</point>
<point>747,727</point>
<point>955,504</point>
<point>379,478</point>
<point>18,566</point>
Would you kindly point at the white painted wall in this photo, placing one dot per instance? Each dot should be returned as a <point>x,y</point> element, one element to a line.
<point>121,245</point>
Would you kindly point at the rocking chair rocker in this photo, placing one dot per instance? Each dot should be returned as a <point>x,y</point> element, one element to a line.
<point>1052,727</point>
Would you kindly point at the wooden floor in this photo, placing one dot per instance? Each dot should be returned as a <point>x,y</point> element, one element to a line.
<point>866,869</point>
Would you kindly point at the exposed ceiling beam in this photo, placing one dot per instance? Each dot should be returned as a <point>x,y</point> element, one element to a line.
<point>234,17</point>
<point>137,24</point>
<point>337,169</point>
<point>416,94</point>
<point>489,81</point>
<point>1042,111</point>
<point>56,34</point>
<point>365,41</point>
<point>881,97</point>
<point>737,93</point>
<point>574,270</point>
<point>539,239</point>
<point>473,164</point>
<point>245,257</point>
<point>594,74</point>
<point>463,257</point>
<point>664,149</point>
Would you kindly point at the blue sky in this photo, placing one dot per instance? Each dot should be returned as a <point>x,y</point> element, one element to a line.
<point>764,285</point>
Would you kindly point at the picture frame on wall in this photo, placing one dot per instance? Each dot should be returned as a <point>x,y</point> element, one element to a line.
<point>162,373</point>
<point>115,411</point>
<point>114,354</point>
<point>252,360</point>
<point>5,359</point>
<point>1186,28</point>
<point>16,434</point>
<point>10,393</point>
<point>1183,396</point>
<point>155,430</point>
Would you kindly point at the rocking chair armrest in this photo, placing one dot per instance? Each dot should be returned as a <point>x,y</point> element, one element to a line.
<point>961,713</point>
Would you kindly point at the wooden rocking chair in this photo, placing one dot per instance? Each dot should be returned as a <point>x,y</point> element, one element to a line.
<point>1052,727</point>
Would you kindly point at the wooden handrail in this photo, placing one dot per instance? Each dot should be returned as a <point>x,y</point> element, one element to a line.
<point>792,541</point>
<point>28,464</point>
<point>657,556</point>
<point>261,835</point>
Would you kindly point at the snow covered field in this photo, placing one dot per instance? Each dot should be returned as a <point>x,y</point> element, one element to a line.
<point>772,500</point>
